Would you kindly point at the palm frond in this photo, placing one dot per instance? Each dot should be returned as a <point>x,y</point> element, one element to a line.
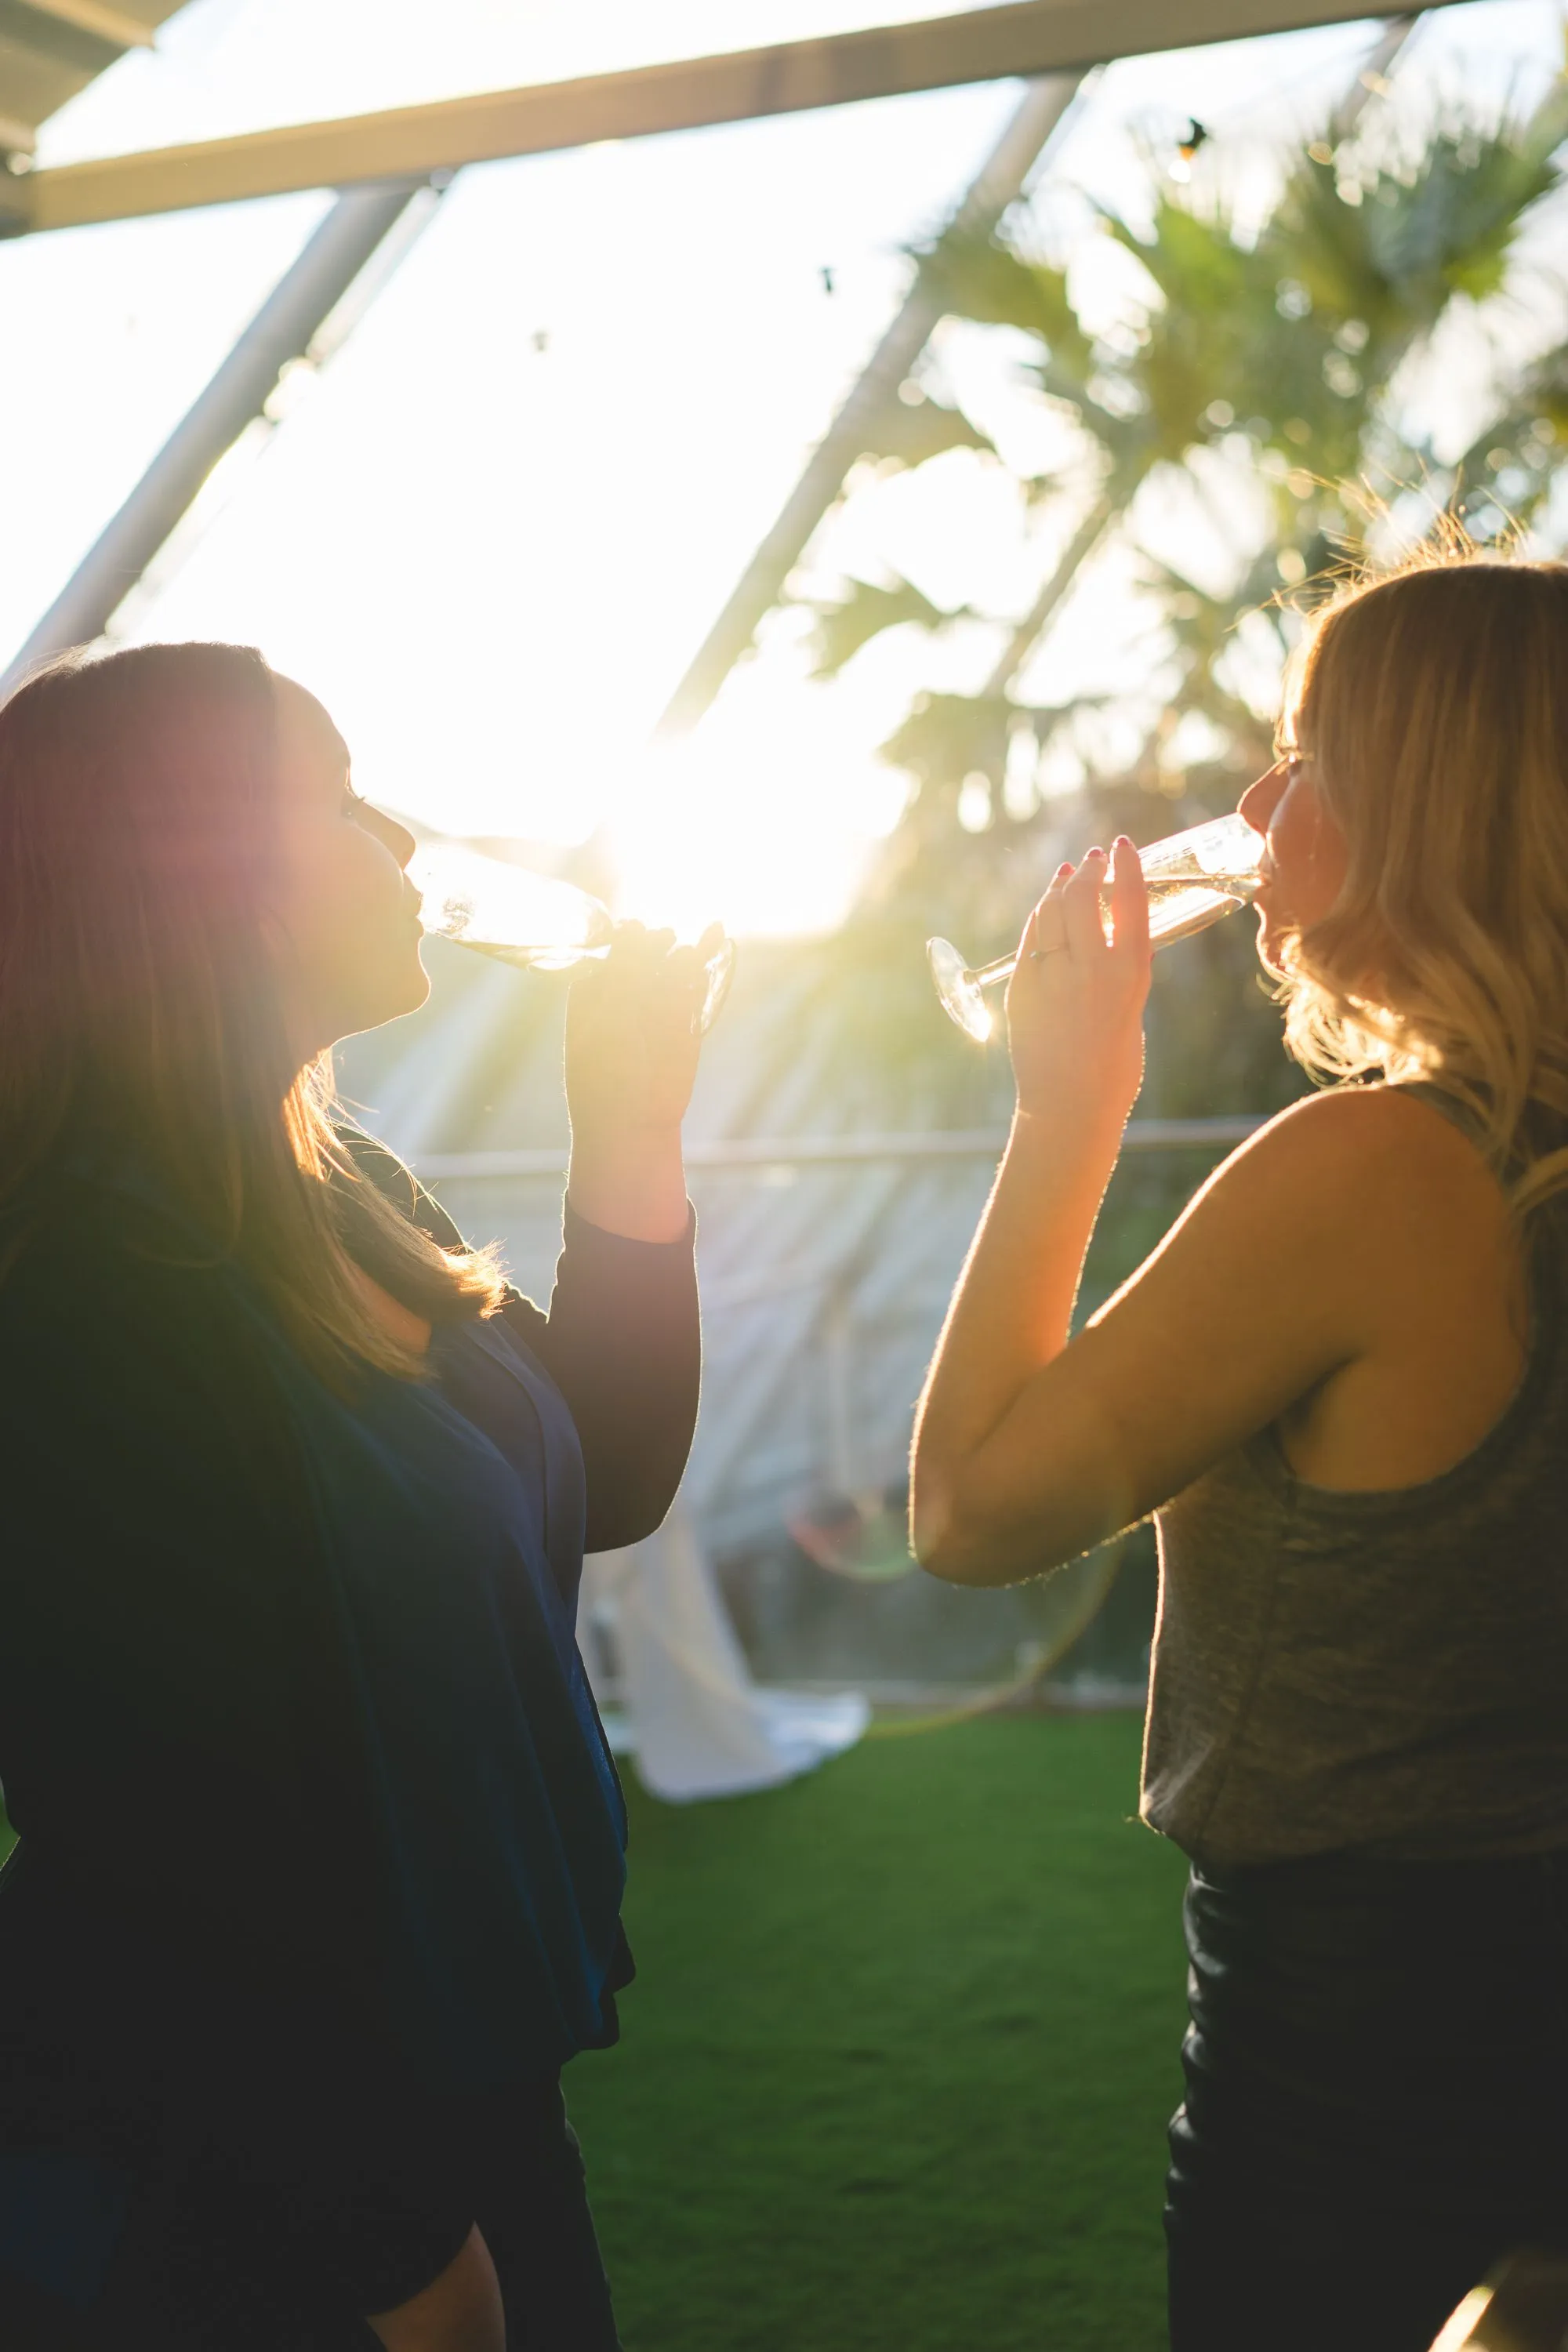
<point>947,737</point>
<point>862,614</point>
<point>990,281</point>
<point>1512,465</point>
<point>913,431</point>
<point>1297,335</point>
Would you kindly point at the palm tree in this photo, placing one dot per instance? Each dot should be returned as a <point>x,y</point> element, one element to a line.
<point>1279,355</point>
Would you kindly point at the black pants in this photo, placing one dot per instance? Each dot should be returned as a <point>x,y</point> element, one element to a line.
<point>214,2261</point>
<point>1376,2100</point>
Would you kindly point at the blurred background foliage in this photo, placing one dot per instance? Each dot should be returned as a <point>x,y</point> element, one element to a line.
<point>1266,369</point>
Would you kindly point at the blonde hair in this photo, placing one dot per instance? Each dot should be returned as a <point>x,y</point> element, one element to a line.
<point>139,1010</point>
<point>1432,704</point>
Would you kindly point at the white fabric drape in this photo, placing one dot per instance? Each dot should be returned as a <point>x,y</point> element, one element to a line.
<point>695,1722</point>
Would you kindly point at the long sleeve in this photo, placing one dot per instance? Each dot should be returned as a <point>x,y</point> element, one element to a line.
<point>622,1343</point>
<point>209,1912</point>
<point>163,1611</point>
<point>621,1339</point>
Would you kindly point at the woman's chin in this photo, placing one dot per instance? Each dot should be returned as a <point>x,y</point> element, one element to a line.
<point>402,993</point>
<point>418,990</point>
<point>1269,938</point>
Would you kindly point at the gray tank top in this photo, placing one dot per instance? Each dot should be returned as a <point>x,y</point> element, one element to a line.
<point>1385,1673</point>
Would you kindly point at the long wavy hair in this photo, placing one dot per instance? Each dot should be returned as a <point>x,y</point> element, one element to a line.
<point>1432,703</point>
<point>141,1010</point>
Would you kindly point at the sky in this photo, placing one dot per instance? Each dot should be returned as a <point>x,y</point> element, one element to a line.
<point>490,532</point>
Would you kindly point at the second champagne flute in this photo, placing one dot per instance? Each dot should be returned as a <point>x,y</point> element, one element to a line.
<point>1193,878</point>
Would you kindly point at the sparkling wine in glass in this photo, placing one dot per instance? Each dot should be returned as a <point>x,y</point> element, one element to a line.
<point>533,920</point>
<point>1192,879</point>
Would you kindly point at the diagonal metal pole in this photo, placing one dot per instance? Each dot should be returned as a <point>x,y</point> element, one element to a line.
<point>1371,82</point>
<point>285,329</point>
<point>1002,178</point>
<point>1005,173</point>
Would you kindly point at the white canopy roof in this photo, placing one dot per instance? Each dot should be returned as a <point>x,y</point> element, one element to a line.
<point>50,50</point>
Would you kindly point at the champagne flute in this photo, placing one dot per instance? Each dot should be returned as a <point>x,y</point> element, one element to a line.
<point>1192,879</point>
<point>534,921</point>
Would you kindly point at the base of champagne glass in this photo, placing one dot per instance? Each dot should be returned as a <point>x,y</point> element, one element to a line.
<point>961,999</point>
<point>548,958</point>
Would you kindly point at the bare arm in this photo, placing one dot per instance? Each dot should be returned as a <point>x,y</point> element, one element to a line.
<point>1030,1449</point>
<point>622,1338</point>
<point>631,1060</point>
<point>1269,1282</point>
<point>1075,1026</point>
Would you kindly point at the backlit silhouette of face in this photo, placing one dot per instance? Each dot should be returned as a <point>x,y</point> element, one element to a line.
<point>1305,860</point>
<point>344,927</point>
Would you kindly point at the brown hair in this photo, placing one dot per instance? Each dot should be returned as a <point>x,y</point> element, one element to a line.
<point>138,1005</point>
<point>1432,704</point>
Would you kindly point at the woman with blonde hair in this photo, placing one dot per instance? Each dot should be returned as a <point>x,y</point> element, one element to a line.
<point>1341,1387</point>
<point>320,1866</point>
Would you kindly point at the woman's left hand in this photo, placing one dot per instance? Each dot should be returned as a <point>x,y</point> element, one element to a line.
<point>631,1035</point>
<point>1074,1003</point>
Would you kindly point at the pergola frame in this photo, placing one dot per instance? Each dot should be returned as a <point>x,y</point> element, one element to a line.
<point>1028,37</point>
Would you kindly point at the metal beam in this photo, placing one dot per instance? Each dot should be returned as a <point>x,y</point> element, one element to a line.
<point>283,330</point>
<point>105,24</point>
<point>1001,177</point>
<point>1373,80</point>
<point>739,1154</point>
<point>1028,38</point>
<point>764,576</point>
<point>50,51</point>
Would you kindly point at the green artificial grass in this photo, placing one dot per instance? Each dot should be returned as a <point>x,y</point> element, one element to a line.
<point>896,2070</point>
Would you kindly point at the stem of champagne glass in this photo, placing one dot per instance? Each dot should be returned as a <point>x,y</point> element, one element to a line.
<point>1001,968</point>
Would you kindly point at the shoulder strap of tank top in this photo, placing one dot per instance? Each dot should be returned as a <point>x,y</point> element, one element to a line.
<point>1459,1114</point>
<point>1546,1229</point>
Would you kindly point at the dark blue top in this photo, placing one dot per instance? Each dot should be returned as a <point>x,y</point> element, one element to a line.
<point>317,1827</point>
<point>453,1520</point>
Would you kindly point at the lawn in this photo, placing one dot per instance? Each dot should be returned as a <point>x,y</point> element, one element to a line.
<point>896,2070</point>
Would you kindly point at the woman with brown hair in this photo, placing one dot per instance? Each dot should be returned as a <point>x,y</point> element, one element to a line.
<point>1341,1387</point>
<point>320,1849</point>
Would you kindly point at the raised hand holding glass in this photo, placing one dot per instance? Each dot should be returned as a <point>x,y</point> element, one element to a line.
<point>1192,879</point>
<point>533,920</point>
